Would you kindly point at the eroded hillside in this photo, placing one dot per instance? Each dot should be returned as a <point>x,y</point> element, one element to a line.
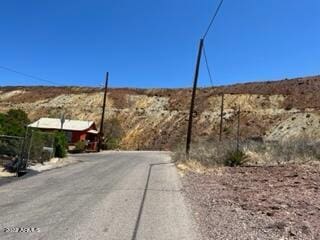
<point>157,118</point>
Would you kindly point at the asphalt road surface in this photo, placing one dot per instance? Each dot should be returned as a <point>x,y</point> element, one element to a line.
<point>114,195</point>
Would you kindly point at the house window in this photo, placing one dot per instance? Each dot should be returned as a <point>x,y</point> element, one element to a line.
<point>69,136</point>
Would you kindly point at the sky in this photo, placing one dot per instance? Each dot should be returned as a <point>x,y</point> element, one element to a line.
<point>150,44</point>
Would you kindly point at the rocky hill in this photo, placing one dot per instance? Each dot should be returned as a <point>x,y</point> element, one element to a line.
<point>157,118</point>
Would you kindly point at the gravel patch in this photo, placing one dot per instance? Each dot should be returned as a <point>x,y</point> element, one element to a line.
<point>53,163</point>
<point>256,202</point>
<point>4,173</point>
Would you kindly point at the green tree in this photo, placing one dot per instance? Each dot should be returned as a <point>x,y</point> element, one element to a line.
<point>60,144</point>
<point>14,122</point>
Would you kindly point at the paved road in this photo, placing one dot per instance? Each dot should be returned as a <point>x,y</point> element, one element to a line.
<point>114,195</point>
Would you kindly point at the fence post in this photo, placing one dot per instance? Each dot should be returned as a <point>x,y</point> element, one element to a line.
<point>30,145</point>
<point>22,153</point>
<point>53,148</point>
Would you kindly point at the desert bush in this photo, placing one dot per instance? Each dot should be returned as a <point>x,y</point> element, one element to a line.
<point>80,147</point>
<point>112,143</point>
<point>235,158</point>
<point>227,130</point>
<point>288,106</point>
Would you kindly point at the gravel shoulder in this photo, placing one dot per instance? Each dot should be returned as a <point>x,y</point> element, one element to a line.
<point>54,163</point>
<point>256,202</point>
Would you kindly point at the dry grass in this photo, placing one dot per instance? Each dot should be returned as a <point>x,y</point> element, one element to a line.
<point>215,153</point>
<point>206,153</point>
<point>298,151</point>
<point>184,167</point>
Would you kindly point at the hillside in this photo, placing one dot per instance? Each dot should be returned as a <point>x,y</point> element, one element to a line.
<point>157,118</point>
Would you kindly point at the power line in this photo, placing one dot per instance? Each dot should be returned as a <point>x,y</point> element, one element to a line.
<point>207,65</point>
<point>195,81</point>
<point>27,75</point>
<point>213,18</point>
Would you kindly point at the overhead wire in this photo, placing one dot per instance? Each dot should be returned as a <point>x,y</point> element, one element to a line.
<point>213,18</point>
<point>204,36</point>
<point>37,78</point>
<point>207,65</point>
<point>27,75</point>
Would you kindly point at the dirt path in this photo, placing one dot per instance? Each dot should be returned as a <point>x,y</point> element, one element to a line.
<point>256,202</point>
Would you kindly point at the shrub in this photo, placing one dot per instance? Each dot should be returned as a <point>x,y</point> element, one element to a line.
<point>288,107</point>
<point>112,143</point>
<point>80,146</point>
<point>235,158</point>
<point>36,141</point>
<point>113,133</point>
<point>60,145</point>
<point>10,147</point>
<point>227,130</point>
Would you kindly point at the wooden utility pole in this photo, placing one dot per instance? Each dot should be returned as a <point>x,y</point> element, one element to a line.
<point>238,130</point>
<point>62,120</point>
<point>103,110</point>
<point>195,81</point>
<point>221,116</point>
<point>30,146</point>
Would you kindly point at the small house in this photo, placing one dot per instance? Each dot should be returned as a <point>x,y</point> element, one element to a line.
<point>75,130</point>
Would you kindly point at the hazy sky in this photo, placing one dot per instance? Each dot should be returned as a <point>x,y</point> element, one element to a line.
<point>146,43</point>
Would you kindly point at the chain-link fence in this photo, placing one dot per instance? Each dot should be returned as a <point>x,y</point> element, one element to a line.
<point>39,146</point>
<point>17,152</point>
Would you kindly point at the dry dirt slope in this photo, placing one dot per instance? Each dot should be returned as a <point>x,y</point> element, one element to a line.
<point>157,118</point>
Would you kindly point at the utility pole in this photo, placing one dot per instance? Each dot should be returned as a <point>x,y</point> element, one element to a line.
<point>195,81</point>
<point>62,120</point>
<point>30,146</point>
<point>238,130</point>
<point>103,110</point>
<point>221,116</point>
<point>22,153</point>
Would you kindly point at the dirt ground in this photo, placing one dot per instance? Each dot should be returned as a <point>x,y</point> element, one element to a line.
<point>256,202</point>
